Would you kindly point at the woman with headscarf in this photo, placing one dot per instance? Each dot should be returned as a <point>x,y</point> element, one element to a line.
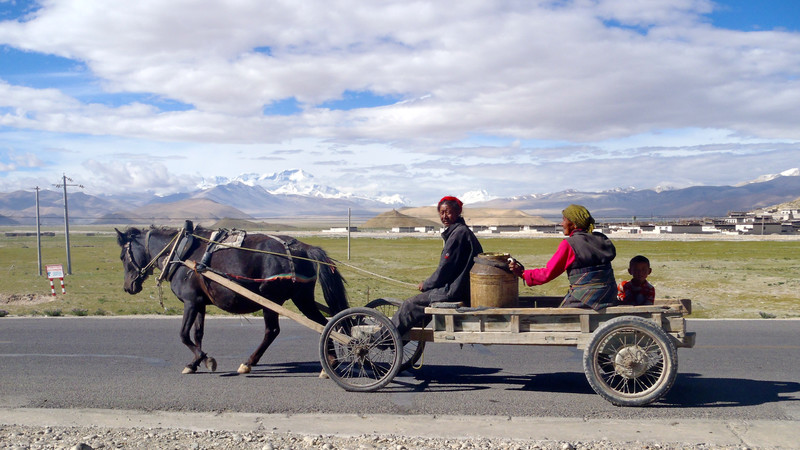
<point>450,281</point>
<point>586,256</point>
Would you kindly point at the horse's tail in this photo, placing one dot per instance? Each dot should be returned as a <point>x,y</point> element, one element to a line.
<point>331,281</point>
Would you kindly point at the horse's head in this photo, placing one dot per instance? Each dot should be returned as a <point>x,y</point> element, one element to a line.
<point>134,256</point>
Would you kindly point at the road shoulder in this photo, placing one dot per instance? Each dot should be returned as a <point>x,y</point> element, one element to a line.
<point>713,433</point>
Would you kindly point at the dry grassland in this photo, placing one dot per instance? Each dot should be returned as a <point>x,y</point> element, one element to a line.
<point>724,277</point>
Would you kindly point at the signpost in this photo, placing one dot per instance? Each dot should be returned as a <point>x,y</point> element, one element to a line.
<point>55,271</point>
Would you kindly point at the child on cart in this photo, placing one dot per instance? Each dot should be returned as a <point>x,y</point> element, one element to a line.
<point>637,291</point>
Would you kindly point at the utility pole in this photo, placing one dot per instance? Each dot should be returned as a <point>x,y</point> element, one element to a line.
<point>64,184</point>
<point>38,233</point>
<point>348,234</point>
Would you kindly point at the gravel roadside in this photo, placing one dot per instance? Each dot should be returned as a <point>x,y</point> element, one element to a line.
<point>87,438</point>
<point>84,429</point>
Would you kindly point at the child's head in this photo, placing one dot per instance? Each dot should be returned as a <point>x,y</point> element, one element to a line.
<point>639,268</point>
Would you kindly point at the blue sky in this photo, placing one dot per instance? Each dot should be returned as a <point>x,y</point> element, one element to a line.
<point>416,99</point>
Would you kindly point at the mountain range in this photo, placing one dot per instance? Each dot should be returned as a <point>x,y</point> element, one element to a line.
<point>293,194</point>
<point>695,201</point>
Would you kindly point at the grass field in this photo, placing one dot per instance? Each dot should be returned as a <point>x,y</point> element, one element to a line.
<point>724,279</point>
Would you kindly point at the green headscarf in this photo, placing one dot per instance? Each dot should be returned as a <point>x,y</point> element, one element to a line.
<point>580,216</point>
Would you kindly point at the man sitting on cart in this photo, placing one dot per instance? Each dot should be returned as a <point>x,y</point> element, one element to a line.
<point>450,281</point>
<point>586,256</point>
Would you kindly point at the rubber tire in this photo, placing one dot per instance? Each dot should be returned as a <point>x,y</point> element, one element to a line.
<point>357,361</point>
<point>603,355</point>
<point>412,350</point>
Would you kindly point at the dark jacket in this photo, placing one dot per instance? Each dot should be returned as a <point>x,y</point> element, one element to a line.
<point>591,277</point>
<point>591,249</point>
<point>450,281</point>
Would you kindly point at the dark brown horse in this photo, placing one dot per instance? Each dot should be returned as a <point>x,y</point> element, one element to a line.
<point>276,267</point>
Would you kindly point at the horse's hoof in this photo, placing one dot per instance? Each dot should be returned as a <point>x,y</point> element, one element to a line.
<point>187,370</point>
<point>211,364</point>
<point>244,368</point>
<point>324,375</point>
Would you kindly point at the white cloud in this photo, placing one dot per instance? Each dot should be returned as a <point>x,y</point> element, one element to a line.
<point>139,176</point>
<point>609,81</point>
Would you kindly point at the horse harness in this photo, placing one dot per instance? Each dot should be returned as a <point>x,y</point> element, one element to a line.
<point>141,272</point>
<point>217,242</point>
<point>180,245</point>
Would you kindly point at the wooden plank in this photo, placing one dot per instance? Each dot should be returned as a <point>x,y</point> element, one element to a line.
<point>688,340</point>
<point>514,325</point>
<point>420,334</point>
<point>585,322</point>
<point>683,305</point>
<point>501,311</point>
<point>657,319</point>
<point>676,324</point>
<point>614,310</point>
<point>265,302</point>
<point>502,338</point>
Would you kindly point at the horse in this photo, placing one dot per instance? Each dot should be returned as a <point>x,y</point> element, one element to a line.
<point>276,267</point>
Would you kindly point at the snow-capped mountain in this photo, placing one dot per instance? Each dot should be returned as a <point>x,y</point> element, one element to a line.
<point>287,182</point>
<point>786,173</point>
<point>294,193</point>
<point>394,200</point>
<point>301,183</point>
<point>476,196</point>
<point>695,201</point>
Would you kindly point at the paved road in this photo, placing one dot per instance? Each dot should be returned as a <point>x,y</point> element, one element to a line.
<point>741,371</point>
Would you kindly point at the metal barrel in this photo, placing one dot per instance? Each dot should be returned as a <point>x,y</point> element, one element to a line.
<point>491,283</point>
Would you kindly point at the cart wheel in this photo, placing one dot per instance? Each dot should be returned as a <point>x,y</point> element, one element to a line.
<point>359,349</point>
<point>630,361</point>
<point>412,350</point>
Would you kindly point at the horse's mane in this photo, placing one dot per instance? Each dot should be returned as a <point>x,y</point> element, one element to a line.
<point>160,229</point>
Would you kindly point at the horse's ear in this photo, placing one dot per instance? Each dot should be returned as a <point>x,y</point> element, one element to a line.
<point>121,238</point>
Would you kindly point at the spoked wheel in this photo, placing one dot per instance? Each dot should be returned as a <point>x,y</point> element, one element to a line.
<point>360,349</point>
<point>412,350</point>
<point>630,361</point>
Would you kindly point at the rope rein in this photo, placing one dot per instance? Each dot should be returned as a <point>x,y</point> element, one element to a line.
<point>402,283</point>
<point>332,264</point>
<point>153,260</point>
<point>173,243</point>
<point>264,251</point>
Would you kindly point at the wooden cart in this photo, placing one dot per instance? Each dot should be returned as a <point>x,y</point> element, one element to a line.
<point>630,352</point>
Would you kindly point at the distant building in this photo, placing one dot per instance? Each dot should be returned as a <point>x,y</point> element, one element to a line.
<point>340,230</point>
<point>764,228</point>
<point>403,229</point>
<point>739,217</point>
<point>693,228</point>
<point>549,228</point>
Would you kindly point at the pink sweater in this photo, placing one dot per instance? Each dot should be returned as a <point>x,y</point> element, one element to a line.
<point>557,265</point>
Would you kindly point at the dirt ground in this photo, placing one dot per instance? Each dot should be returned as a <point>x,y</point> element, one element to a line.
<point>25,299</point>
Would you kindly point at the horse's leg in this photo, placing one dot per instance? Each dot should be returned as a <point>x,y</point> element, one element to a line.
<point>199,327</point>
<point>304,300</point>
<point>190,314</point>
<point>271,330</point>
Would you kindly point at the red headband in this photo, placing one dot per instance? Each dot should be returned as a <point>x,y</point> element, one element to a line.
<point>450,199</point>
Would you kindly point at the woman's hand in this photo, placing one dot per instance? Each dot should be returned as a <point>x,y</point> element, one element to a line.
<point>515,267</point>
<point>419,286</point>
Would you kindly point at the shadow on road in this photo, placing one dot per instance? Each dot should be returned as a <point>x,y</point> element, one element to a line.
<point>694,391</point>
<point>689,391</point>
<point>289,369</point>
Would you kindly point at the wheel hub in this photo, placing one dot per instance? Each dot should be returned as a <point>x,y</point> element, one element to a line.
<point>631,362</point>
